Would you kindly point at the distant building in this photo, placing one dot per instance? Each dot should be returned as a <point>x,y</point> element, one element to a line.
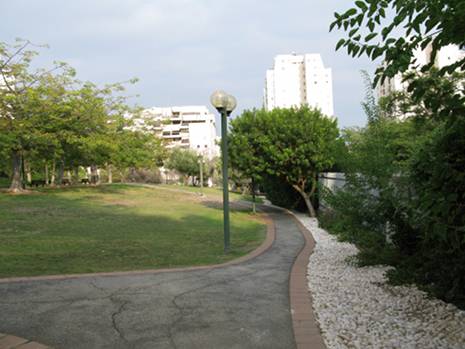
<point>445,56</point>
<point>185,127</point>
<point>296,80</point>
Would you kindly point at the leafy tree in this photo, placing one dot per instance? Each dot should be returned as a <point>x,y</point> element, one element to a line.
<point>134,149</point>
<point>399,27</point>
<point>403,199</point>
<point>243,148</point>
<point>18,102</point>
<point>184,161</point>
<point>292,144</point>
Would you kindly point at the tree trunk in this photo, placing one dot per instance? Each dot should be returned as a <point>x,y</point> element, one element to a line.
<point>76,175</point>
<point>254,210</point>
<point>16,185</point>
<point>306,197</point>
<point>94,174</point>
<point>110,174</point>
<point>27,169</point>
<point>52,180</point>
<point>46,173</point>
<point>61,171</point>
<point>23,174</point>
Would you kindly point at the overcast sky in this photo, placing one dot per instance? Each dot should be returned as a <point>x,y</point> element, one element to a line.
<point>182,50</point>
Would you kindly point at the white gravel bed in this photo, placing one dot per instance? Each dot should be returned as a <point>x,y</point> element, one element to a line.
<point>355,307</point>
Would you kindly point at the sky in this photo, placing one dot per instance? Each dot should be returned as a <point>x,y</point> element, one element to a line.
<point>183,50</point>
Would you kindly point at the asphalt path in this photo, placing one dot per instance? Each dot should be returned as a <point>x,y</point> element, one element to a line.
<point>245,305</point>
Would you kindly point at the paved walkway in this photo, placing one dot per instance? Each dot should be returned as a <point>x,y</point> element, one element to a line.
<point>237,306</point>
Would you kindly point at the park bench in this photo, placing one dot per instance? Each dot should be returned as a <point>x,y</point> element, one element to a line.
<point>85,181</point>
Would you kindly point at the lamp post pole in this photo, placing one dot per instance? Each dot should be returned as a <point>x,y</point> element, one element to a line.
<point>224,153</point>
<point>201,174</point>
<point>225,104</point>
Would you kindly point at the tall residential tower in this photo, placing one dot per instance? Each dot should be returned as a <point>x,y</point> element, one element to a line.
<point>296,80</point>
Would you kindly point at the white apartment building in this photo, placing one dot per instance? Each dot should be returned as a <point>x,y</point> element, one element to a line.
<point>185,127</point>
<point>445,56</point>
<point>296,80</point>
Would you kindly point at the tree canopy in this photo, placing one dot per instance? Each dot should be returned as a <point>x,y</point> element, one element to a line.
<point>48,116</point>
<point>292,144</point>
<point>396,28</point>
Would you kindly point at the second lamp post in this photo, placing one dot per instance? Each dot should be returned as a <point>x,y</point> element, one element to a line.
<point>225,104</point>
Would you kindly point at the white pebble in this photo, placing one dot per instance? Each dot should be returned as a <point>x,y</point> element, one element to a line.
<point>356,308</point>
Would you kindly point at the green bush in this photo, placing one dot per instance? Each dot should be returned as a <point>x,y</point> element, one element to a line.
<point>408,213</point>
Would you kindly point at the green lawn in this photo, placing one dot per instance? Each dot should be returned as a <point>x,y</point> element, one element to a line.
<point>117,227</point>
<point>212,192</point>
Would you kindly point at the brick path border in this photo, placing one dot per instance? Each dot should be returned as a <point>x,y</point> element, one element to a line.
<point>13,342</point>
<point>307,333</point>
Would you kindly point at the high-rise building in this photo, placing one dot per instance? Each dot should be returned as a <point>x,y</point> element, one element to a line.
<point>185,127</point>
<point>296,80</point>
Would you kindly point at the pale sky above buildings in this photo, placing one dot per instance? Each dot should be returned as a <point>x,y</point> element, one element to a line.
<point>183,50</point>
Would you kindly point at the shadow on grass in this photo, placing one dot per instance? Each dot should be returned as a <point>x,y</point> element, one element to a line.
<point>234,206</point>
<point>73,231</point>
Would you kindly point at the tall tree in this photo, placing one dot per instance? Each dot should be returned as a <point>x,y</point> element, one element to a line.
<point>292,144</point>
<point>184,161</point>
<point>399,28</point>
<point>244,148</point>
<point>18,102</point>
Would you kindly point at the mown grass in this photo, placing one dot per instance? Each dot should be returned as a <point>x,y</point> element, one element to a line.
<point>212,192</point>
<point>115,227</point>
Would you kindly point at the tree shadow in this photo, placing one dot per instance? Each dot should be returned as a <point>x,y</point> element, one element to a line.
<point>55,234</point>
<point>234,206</point>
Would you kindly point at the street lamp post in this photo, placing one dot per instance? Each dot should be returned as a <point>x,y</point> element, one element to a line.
<point>201,173</point>
<point>224,104</point>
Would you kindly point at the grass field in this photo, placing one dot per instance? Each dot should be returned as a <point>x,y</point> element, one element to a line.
<point>212,192</point>
<point>115,228</point>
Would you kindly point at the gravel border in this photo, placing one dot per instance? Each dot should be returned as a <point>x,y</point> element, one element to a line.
<point>355,308</point>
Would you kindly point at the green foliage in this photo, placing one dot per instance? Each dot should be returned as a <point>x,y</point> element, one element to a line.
<point>418,177</point>
<point>291,144</point>
<point>438,179</point>
<point>400,27</point>
<point>242,148</point>
<point>49,117</point>
<point>184,161</point>
<point>136,149</point>
<point>403,201</point>
<point>429,96</point>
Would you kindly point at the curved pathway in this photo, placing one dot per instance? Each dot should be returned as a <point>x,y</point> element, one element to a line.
<point>244,305</point>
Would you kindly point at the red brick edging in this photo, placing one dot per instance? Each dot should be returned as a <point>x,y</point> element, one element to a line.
<point>307,334</point>
<point>13,342</point>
